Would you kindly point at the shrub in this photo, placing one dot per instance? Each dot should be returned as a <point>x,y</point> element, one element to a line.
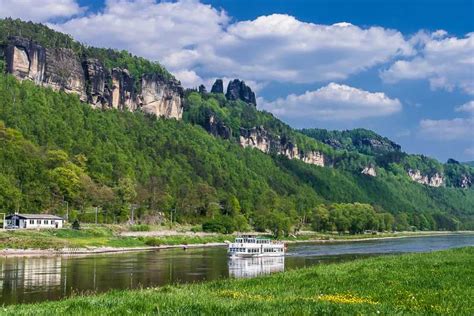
<point>75,225</point>
<point>140,228</point>
<point>223,225</point>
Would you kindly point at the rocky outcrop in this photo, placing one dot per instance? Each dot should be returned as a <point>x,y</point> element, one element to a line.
<point>435,180</point>
<point>62,69</point>
<point>377,145</point>
<point>218,86</point>
<point>465,182</point>
<point>369,171</point>
<point>260,139</point>
<point>160,97</point>
<point>216,127</point>
<point>25,59</point>
<point>238,90</point>
<point>98,93</point>
<point>314,158</point>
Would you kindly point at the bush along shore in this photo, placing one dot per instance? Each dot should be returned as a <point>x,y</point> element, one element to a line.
<point>438,283</point>
<point>109,239</point>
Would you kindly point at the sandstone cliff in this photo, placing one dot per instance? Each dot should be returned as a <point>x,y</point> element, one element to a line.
<point>260,139</point>
<point>369,171</point>
<point>62,69</point>
<point>435,180</point>
<point>238,90</point>
<point>218,86</point>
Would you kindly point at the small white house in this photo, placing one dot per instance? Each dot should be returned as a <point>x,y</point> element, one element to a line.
<point>33,221</point>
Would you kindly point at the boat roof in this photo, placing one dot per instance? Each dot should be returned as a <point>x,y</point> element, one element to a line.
<point>35,216</point>
<point>253,236</point>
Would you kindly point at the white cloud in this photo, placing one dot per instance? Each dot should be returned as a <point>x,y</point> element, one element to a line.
<point>334,102</point>
<point>190,36</point>
<point>454,129</point>
<point>166,31</point>
<point>447,62</point>
<point>466,107</point>
<point>39,11</point>
<point>189,79</point>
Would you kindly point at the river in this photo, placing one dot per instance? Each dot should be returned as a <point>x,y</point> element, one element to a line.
<point>34,279</point>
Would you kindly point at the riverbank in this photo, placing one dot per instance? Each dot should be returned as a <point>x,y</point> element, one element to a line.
<point>99,240</point>
<point>428,283</point>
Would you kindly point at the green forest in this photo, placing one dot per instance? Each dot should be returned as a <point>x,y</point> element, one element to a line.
<point>58,153</point>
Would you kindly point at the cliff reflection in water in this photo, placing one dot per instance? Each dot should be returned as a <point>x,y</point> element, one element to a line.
<point>252,267</point>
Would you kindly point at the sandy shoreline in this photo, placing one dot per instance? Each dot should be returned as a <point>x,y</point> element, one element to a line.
<point>117,250</point>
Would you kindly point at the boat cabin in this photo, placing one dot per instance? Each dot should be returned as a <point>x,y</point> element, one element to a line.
<point>248,246</point>
<point>252,240</point>
<point>33,221</point>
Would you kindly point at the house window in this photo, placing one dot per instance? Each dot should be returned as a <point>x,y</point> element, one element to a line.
<point>32,221</point>
<point>45,222</point>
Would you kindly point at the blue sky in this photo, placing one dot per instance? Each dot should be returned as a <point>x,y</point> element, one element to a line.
<point>402,68</point>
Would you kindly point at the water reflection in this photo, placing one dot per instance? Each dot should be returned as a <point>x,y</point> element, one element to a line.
<point>252,267</point>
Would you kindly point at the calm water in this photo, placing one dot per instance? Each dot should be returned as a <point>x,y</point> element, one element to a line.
<point>24,280</point>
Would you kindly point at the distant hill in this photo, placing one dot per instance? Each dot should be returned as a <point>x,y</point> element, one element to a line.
<point>361,140</point>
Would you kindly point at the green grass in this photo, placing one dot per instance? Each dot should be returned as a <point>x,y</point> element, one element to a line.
<point>437,283</point>
<point>92,236</point>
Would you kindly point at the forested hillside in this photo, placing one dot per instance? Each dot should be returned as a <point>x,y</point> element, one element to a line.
<point>58,151</point>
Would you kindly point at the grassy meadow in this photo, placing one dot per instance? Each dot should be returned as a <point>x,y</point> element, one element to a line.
<point>438,283</point>
<point>94,236</point>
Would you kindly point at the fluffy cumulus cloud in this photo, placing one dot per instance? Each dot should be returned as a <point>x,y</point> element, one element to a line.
<point>39,11</point>
<point>334,102</point>
<point>466,107</point>
<point>164,31</point>
<point>453,129</point>
<point>197,40</point>
<point>447,62</point>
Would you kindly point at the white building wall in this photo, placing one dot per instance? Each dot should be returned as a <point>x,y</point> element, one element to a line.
<point>40,223</point>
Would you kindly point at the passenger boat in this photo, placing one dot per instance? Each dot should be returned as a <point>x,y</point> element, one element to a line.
<point>248,246</point>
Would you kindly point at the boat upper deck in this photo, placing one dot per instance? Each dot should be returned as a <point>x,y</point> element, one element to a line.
<point>252,240</point>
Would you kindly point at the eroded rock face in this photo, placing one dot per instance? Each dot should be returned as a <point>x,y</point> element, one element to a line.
<point>314,158</point>
<point>435,180</point>
<point>260,139</point>
<point>256,138</point>
<point>216,127</point>
<point>465,182</point>
<point>218,86</point>
<point>238,90</point>
<point>370,171</point>
<point>62,69</point>
<point>161,98</point>
<point>99,94</point>
<point>25,59</point>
